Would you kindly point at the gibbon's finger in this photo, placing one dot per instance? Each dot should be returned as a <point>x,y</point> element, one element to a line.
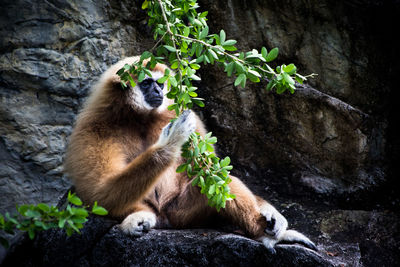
<point>184,116</point>
<point>168,128</point>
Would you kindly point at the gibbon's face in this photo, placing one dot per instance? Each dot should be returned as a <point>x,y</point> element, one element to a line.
<point>152,92</point>
<point>149,94</point>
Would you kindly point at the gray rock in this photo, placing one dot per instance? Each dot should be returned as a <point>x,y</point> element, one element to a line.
<point>103,244</point>
<point>334,135</point>
<point>51,54</point>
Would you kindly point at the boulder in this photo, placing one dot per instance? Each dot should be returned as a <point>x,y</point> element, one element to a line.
<point>101,243</point>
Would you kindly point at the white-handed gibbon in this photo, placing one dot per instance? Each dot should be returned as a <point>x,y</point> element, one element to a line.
<point>124,151</point>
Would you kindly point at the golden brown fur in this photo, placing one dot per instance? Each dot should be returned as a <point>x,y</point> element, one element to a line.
<point>114,157</point>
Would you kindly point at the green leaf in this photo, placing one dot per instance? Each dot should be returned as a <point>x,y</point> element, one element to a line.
<point>120,71</point>
<point>173,81</point>
<point>31,233</point>
<point>61,222</point>
<point>127,67</point>
<point>145,4</point>
<point>43,207</point>
<point>229,48</point>
<point>81,212</point>
<point>203,33</point>
<point>272,54</point>
<point>203,14</point>
<point>222,36</point>
<point>141,76</point>
<point>211,190</point>
<point>198,102</point>
<point>72,198</point>
<point>212,140</point>
<point>240,79</point>
<point>32,214</point>
<point>225,162</point>
<point>170,48</point>
<point>186,31</point>
<point>287,78</point>
<point>213,54</point>
<point>145,55</point>
<point>162,79</point>
<point>239,67</point>
<point>195,66</point>
<point>290,69</point>
<point>229,43</point>
<point>181,168</point>
<point>99,210</point>
<point>254,76</point>
<point>264,52</point>
<point>229,68</point>
<point>175,65</point>
<point>131,81</point>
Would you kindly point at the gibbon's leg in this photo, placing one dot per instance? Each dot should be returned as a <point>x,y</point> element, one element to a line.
<point>243,211</point>
<point>119,192</point>
<point>276,230</point>
<point>139,222</point>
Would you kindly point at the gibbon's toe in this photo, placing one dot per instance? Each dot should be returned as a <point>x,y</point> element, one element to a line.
<point>292,236</point>
<point>138,223</point>
<point>268,243</point>
<point>309,244</point>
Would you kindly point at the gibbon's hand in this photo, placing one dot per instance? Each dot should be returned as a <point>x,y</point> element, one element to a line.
<point>176,133</point>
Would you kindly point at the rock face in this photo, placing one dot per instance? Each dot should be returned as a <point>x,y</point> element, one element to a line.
<point>51,54</point>
<point>335,140</point>
<point>327,151</point>
<point>103,244</point>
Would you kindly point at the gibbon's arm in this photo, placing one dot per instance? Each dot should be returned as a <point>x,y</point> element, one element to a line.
<point>119,191</point>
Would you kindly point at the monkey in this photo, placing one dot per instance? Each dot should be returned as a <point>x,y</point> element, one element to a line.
<point>123,153</point>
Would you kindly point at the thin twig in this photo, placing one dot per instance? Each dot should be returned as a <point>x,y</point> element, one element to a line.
<point>173,42</point>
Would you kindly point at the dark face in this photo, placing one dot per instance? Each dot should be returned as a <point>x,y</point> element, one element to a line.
<point>152,92</point>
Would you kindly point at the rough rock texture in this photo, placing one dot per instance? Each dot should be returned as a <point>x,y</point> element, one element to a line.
<point>334,141</point>
<point>103,244</point>
<point>51,52</point>
<point>325,156</point>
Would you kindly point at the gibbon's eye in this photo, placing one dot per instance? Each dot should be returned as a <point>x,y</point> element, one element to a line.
<point>146,83</point>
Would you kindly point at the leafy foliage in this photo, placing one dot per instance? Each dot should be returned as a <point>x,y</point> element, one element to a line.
<point>184,42</point>
<point>207,171</point>
<point>34,218</point>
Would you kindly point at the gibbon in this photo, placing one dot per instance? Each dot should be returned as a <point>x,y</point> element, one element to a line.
<point>124,151</point>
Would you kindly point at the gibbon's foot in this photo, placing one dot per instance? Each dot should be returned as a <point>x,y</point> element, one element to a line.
<point>138,223</point>
<point>276,223</point>
<point>176,133</point>
<point>277,232</point>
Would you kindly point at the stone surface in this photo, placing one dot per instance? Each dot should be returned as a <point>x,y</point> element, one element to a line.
<point>103,244</point>
<point>51,54</point>
<point>337,140</point>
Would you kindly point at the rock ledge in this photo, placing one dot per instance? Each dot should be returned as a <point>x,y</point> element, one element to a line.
<point>103,244</point>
